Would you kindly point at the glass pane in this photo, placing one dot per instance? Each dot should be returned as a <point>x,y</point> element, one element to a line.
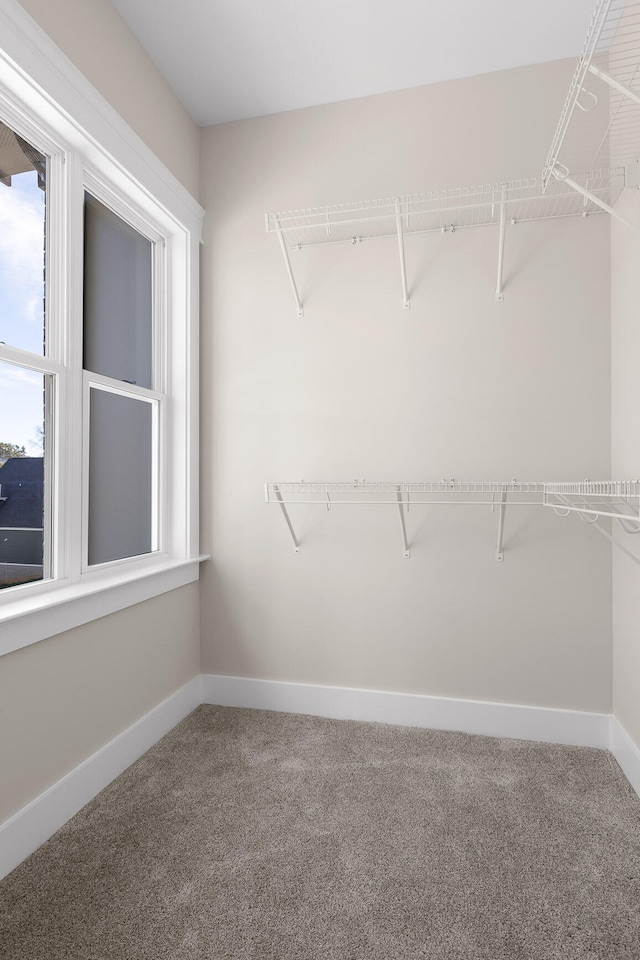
<point>22,419</point>
<point>118,335</point>
<point>120,477</point>
<point>23,173</point>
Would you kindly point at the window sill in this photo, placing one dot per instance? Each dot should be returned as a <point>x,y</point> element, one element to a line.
<point>34,618</point>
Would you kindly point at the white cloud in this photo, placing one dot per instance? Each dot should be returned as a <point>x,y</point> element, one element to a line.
<point>21,254</point>
<point>21,404</point>
<point>10,375</point>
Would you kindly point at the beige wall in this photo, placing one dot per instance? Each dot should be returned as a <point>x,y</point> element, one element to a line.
<point>94,36</point>
<point>625,459</point>
<point>64,698</point>
<point>458,386</point>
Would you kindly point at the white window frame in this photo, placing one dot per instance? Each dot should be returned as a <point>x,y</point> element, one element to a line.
<point>49,102</point>
<point>157,395</point>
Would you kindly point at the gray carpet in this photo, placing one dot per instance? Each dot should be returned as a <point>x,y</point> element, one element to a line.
<point>246,835</point>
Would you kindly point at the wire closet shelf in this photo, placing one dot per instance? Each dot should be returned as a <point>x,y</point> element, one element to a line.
<point>421,491</point>
<point>591,500</point>
<point>619,499</point>
<point>599,124</point>
<point>593,157</point>
<point>441,210</point>
<point>444,211</point>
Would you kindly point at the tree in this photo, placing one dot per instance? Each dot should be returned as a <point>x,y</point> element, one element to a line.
<point>8,450</point>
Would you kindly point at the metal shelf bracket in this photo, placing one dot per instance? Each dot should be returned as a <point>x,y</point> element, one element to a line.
<point>406,303</point>
<point>620,87</point>
<point>503,220</point>
<point>629,525</point>
<point>287,263</point>
<point>285,514</point>
<point>560,172</point>
<point>403,527</point>
<point>501,512</point>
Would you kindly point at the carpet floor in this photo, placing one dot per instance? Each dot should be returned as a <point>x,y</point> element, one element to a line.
<point>250,835</point>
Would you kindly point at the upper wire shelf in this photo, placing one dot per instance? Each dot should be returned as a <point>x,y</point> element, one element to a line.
<point>593,156</point>
<point>441,210</point>
<point>509,201</point>
<point>599,123</point>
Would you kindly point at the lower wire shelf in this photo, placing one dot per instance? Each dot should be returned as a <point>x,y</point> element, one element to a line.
<point>590,499</point>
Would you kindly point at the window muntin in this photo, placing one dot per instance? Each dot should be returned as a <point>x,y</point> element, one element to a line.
<point>23,185</point>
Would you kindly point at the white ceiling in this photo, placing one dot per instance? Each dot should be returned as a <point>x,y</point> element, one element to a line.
<point>232,59</point>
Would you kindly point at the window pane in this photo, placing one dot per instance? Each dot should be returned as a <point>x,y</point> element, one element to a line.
<point>22,242</point>
<point>22,418</point>
<point>118,337</point>
<point>120,477</point>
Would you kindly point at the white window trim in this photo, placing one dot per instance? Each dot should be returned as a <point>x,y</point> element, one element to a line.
<point>46,92</point>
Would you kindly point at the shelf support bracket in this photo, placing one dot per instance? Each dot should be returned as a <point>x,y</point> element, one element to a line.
<point>405,543</point>
<point>406,303</point>
<point>620,87</point>
<point>503,220</point>
<point>287,263</point>
<point>559,175</point>
<point>608,536</point>
<point>285,514</point>
<point>501,511</point>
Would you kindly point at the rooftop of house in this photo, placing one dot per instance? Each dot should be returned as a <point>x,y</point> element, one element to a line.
<point>22,492</point>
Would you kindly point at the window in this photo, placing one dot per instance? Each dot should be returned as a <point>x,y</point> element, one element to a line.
<point>122,352</point>
<point>98,356</point>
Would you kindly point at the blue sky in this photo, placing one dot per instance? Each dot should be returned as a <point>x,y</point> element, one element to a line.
<point>21,309</point>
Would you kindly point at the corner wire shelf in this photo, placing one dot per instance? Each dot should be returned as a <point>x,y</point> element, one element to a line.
<point>618,499</point>
<point>441,211</point>
<point>599,124</point>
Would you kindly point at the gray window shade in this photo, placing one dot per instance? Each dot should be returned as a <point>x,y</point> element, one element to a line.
<point>118,290</point>
<point>120,477</point>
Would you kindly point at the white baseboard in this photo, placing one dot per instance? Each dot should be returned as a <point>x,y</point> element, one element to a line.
<point>626,753</point>
<point>37,821</point>
<point>23,833</point>
<point>543,724</point>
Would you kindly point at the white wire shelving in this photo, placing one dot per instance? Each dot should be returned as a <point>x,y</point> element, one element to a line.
<point>594,155</point>
<point>599,124</point>
<point>440,211</point>
<point>591,500</point>
<point>403,494</point>
<point>619,499</point>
